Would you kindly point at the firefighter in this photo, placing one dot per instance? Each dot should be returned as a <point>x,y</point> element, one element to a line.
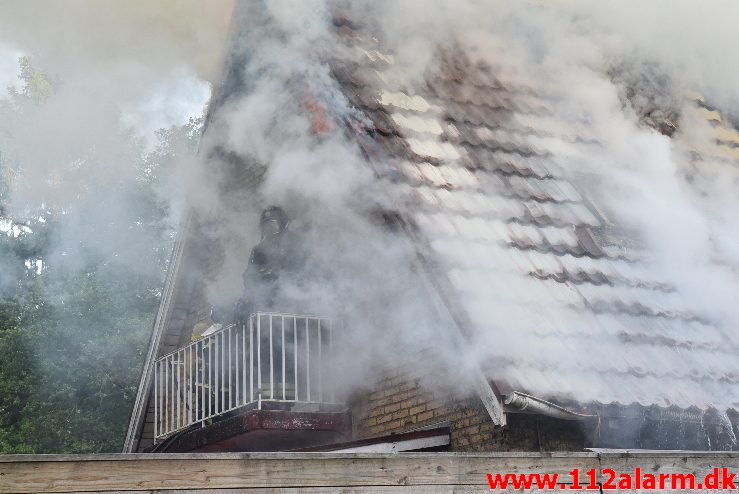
<point>275,266</point>
<point>276,260</point>
<point>276,257</point>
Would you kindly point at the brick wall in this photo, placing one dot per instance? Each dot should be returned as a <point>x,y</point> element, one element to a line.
<point>397,404</point>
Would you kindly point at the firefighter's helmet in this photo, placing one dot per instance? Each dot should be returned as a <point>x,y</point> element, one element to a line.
<point>274,221</point>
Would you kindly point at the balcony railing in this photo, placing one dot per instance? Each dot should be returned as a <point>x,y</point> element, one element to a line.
<point>274,360</point>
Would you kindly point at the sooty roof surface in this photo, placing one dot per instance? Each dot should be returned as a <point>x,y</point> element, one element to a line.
<point>518,250</point>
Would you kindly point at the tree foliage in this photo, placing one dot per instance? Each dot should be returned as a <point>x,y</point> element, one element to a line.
<point>73,332</point>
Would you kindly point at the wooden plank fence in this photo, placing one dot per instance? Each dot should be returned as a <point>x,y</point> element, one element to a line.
<point>302,473</point>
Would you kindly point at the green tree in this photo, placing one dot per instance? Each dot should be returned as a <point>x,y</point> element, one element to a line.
<point>73,334</point>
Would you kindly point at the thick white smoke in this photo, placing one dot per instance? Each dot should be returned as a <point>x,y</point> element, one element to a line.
<point>113,56</point>
<point>290,121</point>
<point>120,71</point>
<point>586,59</point>
<point>78,152</point>
<point>571,51</point>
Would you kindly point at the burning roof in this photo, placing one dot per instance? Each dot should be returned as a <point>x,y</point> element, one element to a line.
<point>518,244</point>
<point>505,192</point>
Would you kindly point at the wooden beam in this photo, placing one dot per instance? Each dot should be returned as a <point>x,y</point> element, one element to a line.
<point>410,489</point>
<point>301,473</point>
<point>698,463</point>
<point>209,472</point>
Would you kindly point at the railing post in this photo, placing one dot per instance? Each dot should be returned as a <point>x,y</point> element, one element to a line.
<point>156,399</point>
<point>202,382</point>
<point>271,363</point>
<point>237,370</point>
<point>331,358</point>
<point>230,383</point>
<point>211,344</point>
<point>295,353</point>
<point>165,363</point>
<point>175,394</point>
<point>251,359</point>
<point>197,383</point>
<point>222,365</point>
<point>183,388</point>
<point>217,372</point>
<point>259,360</point>
<point>178,391</point>
<point>307,359</point>
<point>243,363</point>
<point>320,364</point>
<point>190,377</point>
<point>284,377</point>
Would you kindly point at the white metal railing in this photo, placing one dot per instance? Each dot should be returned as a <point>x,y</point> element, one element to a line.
<point>272,358</point>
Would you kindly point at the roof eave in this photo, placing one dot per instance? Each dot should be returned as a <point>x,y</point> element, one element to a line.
<point>517,402</point>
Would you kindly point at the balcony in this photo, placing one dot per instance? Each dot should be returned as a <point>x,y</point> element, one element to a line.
<point>273,361</point>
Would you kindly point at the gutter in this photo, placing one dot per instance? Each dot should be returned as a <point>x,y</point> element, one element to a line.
<point>518,402</point>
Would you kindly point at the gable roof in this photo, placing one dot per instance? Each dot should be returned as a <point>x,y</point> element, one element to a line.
<point>521,254</point>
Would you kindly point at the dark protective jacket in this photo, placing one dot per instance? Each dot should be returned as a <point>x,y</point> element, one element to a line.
<point>276,262</point>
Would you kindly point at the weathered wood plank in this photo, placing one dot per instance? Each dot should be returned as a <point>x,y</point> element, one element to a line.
<point>200,472</point>
<point>442,489</point>
<point>698,463</point>
<point>291,456</point>
<point>300,473</point>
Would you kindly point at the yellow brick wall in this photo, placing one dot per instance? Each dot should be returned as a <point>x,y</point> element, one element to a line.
<point>398,404</point>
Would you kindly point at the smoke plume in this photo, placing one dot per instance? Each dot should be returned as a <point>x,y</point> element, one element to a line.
<point>600,64</point>
<point>600,68</point>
